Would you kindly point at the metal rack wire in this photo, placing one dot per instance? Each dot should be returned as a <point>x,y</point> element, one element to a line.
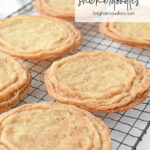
<point>127,128</point>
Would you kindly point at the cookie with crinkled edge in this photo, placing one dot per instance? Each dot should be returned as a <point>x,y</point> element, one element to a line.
<point>132,34</point>
<point>60,126</point>
<point>37,37</point>
<point>15,80</point>
<point>98,81</point>
<point>64,9</point>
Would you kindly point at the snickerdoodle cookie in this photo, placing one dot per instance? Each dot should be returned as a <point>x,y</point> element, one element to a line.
<point>132,34</point>
<point>64,9</point>
<point>52,126</point>
<point>37,37</point>
<point>15,81</point>
<point>98,81</point>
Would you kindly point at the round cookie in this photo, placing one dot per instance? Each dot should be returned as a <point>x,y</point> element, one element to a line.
<point>132,34</point>
<point>98,81</point>
<point>64,9</point>
<point>36,37</point>
<point>15,81</point>
<point>52,126</point>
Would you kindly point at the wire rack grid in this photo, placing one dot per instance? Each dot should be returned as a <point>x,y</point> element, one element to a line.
<point>127,128</point>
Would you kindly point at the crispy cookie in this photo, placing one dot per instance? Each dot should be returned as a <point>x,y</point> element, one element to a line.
<point>98,81</point>
<point>15,81</point>
<point>132,34</point>
<point>52,126</point>
<point>36,37</point>
<point>63,9</point>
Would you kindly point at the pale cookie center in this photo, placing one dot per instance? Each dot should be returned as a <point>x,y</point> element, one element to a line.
<point>62,5</point>
<point>134,30</point>
<point>35,34</point>
<point>7,74</point>
<point>2,147</point>
<point>97,74</point>
<point>48,129</point>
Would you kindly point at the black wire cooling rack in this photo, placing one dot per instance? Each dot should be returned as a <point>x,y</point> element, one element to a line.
<point>127,128</point>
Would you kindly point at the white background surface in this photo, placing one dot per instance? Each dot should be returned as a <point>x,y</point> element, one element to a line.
<point>145,144</point>
<point>9,6</point>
